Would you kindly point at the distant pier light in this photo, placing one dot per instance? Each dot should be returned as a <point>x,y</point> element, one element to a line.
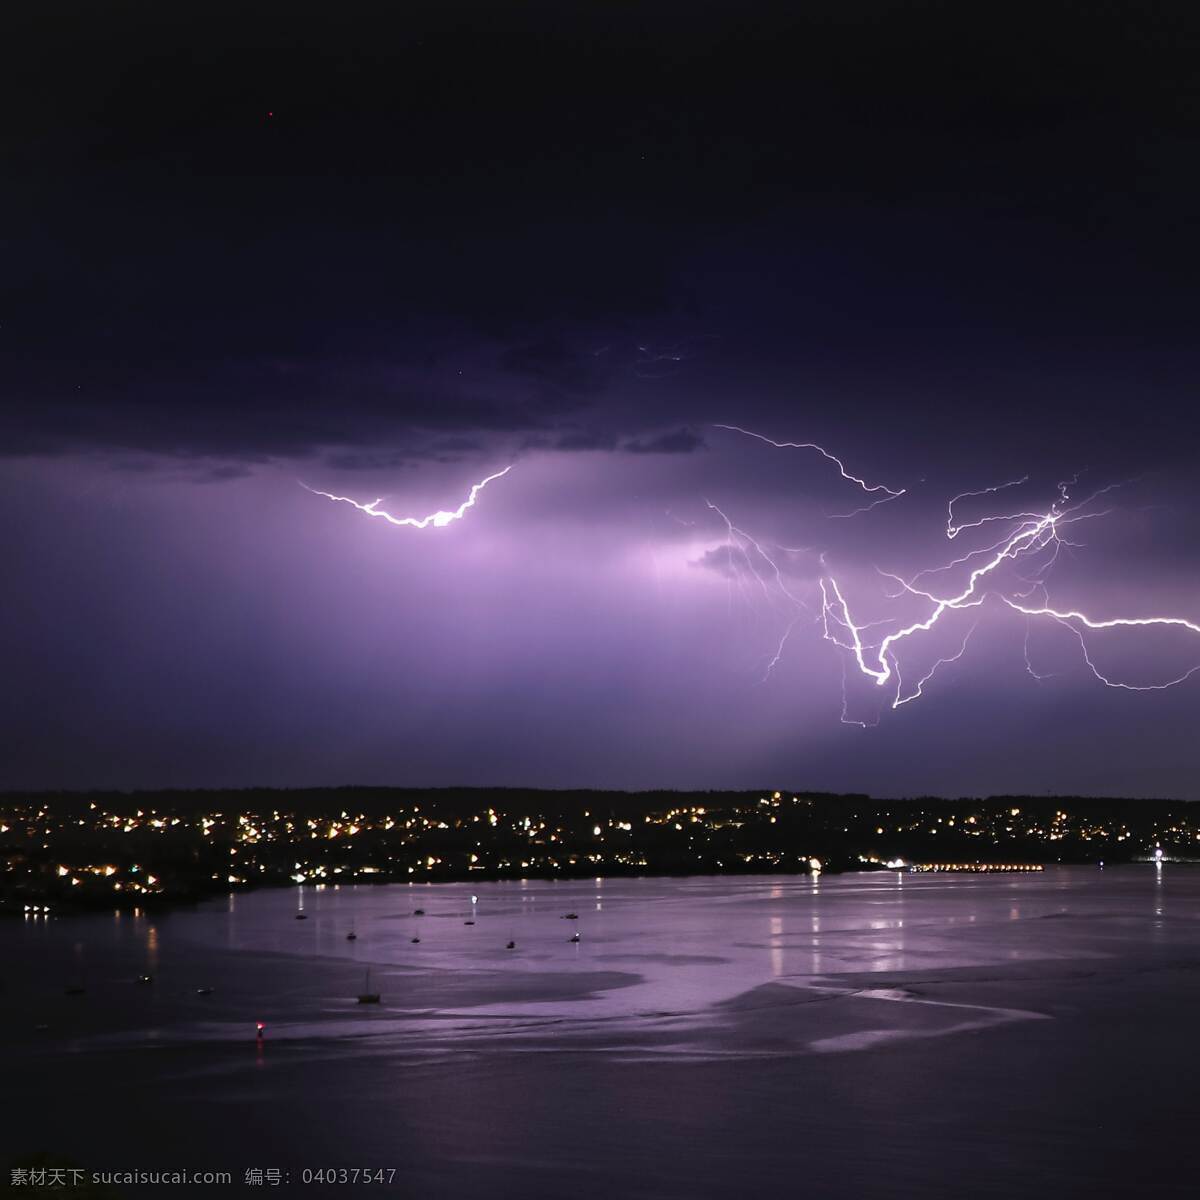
<point>975,868</point>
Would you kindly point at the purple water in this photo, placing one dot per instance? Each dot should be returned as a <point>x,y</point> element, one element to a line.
<point>861,1035</point>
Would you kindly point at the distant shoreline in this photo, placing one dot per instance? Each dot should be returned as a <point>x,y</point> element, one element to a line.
<point>100,851</point>
<point>450,792</point>
<point>160,904</point>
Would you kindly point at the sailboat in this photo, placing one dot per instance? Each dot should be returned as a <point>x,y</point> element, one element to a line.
<point>366,996</point>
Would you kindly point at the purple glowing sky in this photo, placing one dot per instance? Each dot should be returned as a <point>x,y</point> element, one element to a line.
<point>584,622</point>
<point>439,259</point>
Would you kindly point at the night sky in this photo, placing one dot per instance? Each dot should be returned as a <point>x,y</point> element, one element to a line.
<point>385,251</point>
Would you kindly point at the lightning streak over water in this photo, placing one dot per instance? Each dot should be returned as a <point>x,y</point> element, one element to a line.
<point>437,520</point>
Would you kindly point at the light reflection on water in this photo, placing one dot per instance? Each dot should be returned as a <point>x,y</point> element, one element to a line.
<point>650,950</point>
<point>716,1034</point>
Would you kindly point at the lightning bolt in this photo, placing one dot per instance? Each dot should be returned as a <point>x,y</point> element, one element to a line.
<point>1065,617</point>
<point>747,550</point>
<point>869,488</point>
<point>881,669</point>
<point>953,529</point>
<point>1110,623</point>
<point>1033,534</point>
<point>438,519</point>
<point>1033,537</point>
<point>919,691</point>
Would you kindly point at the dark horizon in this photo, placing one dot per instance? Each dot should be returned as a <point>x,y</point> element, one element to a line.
<point>406,791</point>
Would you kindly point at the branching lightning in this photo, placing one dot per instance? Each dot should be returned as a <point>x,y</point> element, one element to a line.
<point>1066,617</point>
<point>869,488</point>
<point>437,520</point>
<point>953,529</point>
<point>918,691</point>
<point>1034,534</point>
<point>1011,573</point>
<point>765,571</point>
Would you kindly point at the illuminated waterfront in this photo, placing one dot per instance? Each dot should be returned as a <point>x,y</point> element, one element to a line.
<point>100,850</point>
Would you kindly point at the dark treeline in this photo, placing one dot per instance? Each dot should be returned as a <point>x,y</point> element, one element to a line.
<point>466,800</point>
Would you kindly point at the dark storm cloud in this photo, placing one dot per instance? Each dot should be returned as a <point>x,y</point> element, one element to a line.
<point>579,440</point>
<point>439,396</point>
<point>366,460</point>
<point>677,441</point>
<point>371,412</point>
<point>558,366</point>
<point>724,560</point>
<point>463,224</point>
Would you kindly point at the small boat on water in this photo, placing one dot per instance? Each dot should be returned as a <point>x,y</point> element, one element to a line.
<point>511,946</point>
<point>302,916</point>
<point>416,940</point>
<point>570,916</point>
<point>352,936</point>
<point>204,991</point>
<point>145,979</point>
<point>468,922</point>
<point>418,912</point>
<point>574,937</point>
<point>366,996</point>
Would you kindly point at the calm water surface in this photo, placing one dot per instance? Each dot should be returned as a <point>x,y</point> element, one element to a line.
<point>859,1036</point>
